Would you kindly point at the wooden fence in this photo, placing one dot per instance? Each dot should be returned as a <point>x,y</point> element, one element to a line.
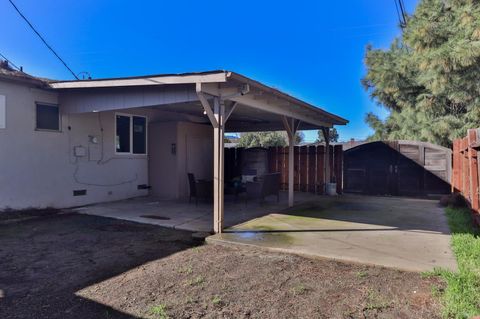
<point>465,179</point>
<point>309,166</point>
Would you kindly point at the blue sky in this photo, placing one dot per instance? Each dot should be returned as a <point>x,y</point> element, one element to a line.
<point>311,49</point>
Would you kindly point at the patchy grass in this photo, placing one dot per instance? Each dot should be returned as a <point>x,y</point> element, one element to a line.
<point>376,301</point>
<point>217,300</point>
<point>299,289</point>
<point>186,270</point>
<point>461,297</point>
<point>159,311</point>
<point>198,280</point>
<point>362,274</point>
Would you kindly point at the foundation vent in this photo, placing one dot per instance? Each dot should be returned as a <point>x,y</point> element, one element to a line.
<point>80,192</point>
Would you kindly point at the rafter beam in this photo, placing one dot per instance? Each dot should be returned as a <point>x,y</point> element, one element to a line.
<point>206,105</point>
<point>227,114</point>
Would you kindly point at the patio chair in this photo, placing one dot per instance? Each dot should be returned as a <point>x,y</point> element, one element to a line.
<point>200,189</point>
<point>266,185</point>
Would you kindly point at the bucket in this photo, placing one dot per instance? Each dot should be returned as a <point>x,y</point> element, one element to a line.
<point>331,189</point>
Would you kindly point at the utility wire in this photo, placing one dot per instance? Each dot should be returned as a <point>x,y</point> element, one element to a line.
<point>401,13</point>
<point>43,40</point>
<point>10,62</point>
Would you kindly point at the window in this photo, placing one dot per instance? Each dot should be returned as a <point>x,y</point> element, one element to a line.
<point>139,135</point>
<point>123,134</point>
<point>131,134</point>
<point>48,117</point>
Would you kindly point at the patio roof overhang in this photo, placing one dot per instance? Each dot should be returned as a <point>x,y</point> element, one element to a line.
<point>257,107</point>
<point>229,101</point>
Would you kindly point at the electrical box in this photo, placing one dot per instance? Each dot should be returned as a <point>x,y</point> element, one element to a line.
<point>79,151</point>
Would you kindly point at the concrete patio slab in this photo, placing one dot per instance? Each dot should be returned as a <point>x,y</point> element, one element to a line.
<point>185,216</point>
<point>408,234</point>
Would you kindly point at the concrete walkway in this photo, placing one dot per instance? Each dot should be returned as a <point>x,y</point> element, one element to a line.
<point>408,234</point>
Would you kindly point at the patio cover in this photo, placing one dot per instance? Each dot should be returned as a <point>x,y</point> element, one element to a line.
<point>229,101</point>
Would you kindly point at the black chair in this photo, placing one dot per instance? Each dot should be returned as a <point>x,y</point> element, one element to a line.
<point>199,189</point>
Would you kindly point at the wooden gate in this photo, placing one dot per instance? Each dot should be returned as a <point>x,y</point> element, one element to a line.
<point>404,168</point>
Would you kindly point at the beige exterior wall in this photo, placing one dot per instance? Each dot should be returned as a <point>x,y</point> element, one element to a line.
<point>40,169</point>
<point>163,164</point>
<point>194,154</point>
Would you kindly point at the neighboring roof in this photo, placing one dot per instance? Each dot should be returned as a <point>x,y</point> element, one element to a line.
<point>216,76</point>
<point>9,73</point>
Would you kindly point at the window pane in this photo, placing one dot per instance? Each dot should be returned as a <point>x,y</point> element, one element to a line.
<point>48,117</point>
<point>139,135</point>
<point>123,134</point>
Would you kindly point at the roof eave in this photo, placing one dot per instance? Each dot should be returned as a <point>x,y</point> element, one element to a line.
<point>185,78</point>
<point>335,119</point>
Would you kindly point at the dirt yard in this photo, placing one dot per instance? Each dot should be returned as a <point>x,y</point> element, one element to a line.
<point>78,266</point>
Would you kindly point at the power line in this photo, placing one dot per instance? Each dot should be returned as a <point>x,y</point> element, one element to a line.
<point>43,40</point>
<point>10,62</point>
<point>401,13</point>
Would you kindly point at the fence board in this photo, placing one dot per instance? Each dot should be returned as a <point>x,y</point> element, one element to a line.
<point>320,186</point>
<point>338,167</point>
<point>312,168</point>
<point>284,166</point>
<point>309,168</point>
<point>473,170</point>
<point>466,177</point>
<point>303,169</point>
<point>296,168</point>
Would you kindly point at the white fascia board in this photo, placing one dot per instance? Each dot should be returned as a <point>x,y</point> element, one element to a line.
<point>154,80</point>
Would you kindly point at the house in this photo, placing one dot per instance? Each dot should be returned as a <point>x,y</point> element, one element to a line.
<point>72,143</point>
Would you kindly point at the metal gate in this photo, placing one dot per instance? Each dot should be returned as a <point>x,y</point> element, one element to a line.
<point>402,168</point>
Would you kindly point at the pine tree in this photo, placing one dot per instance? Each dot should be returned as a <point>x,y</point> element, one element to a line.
<point>429,79</point>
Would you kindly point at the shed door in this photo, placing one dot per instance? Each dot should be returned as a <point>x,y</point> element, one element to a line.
<point>392,168</point>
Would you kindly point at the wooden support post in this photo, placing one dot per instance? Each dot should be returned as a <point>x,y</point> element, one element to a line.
<point>291,144</point>
<point>326,176</point>
<point>291,127</point>
<point>218,118</point>
<point>218,165</point>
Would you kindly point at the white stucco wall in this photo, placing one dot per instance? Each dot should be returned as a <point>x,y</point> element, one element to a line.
<point>38,168</point>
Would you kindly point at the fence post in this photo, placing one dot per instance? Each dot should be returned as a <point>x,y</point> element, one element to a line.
<point>473,169</point>
<point>455,178</point>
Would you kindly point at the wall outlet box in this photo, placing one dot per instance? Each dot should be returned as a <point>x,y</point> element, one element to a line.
<point>79,151</point>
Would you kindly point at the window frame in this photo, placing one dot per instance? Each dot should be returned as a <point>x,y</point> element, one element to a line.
<point>37,103</point>
<point>130,152</point>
